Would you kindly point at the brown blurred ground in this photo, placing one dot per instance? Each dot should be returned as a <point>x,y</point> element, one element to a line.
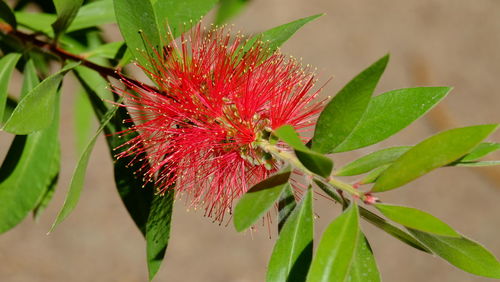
<point>454,43</point>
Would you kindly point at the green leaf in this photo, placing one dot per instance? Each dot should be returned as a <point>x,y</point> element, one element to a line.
<point>331,193</point>
<point>126,59</point>
<point>275,37</point>
<point>258,199</point>
<point>7,65</point>
<point>337,247</point>
<point>390,112</point>
<point>462,253</point>
<point>7,15</point>
<point>151,213</point>
<point>9,108</point>
<point>36,21</point>
<point>293,250</point>
<point>109,51</point>
<point>416,219</point>
<point>93,14</point>
<point>374,174</point>
<point>90,15</point>
<point>392,230</point>
<point>137,201</point>
<point>343,113</point>
<point>150,19</point>
<point>78,178</point>
<point>138,26</point>
<point>30,78</point>
<point>66,12</point>
<point>180,15</point>
<point>436,151</point>
<point>372,161</point>
<point>363,267</point>
<point>376,220</point>
<point>286,205</point>
<point>27,172</point>
<point>37,109</point>
<point>83,120</point>
<point>158,230</point>
<point>228,9</point>
<point>477,164</point>
<point>45,199</point>
<point>480,151</point>
<point>96,82</point>
<point>315,162</point>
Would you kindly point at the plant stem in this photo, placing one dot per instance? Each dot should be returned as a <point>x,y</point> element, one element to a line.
<point>55,50</point>
<point>291,159</point>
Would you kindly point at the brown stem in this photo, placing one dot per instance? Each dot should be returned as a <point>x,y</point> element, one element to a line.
<point>65,55</point>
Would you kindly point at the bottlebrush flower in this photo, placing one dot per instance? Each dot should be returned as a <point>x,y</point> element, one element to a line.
<point>216,97</point>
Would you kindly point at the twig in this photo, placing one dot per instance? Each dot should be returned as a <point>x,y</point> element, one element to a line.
<point>54,49</point>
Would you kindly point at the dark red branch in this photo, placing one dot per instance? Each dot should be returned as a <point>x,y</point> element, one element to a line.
<point>63,54</point>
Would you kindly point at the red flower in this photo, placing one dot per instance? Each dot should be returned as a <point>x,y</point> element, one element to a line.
<point>217,96</point>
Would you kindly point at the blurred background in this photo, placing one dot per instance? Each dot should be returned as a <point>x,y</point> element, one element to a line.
<point>431,42</point>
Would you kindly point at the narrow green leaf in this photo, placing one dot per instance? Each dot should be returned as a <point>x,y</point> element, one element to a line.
<point>376,220</point>
<point>293,250</point>
<point>137,201</point>
<point>93,14</point>
<point>390,112</point>
<point>315,162</point>
<point>477,164</point>
<point>158,230</point>
<point>36,21</point>
<point>7,65</point>
<point>7,15</point>
<point>180,15</point>
<point>37,109</point>
<point>480,151</point>
<point>46,197</point>
<point>363,267</point>
<point>392,230</point>
<point>30,78</point>
<point>331,193</point>
<point>416,219</point>
<point>41,63</point>
<point>372,161</point>
<point>228,9</point>
<point>258,199</point>
<point>109,51</point>
<point>30,81</point>
<point>374,174</point>
<point>286,205</point>
<point>10,106</point>
<point>436,151</point>
<point>96,82</point>
<point>125,59</point>
<point>275,37</point>
<point>83,120</point>
<point>151,213</point>
<point>337,247</point>
<point>78,177</point>
<point>139,27</point>
<point>343,113</point>
<point>462,253</point>
<point>66,12</point>
<point>28,170</point>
